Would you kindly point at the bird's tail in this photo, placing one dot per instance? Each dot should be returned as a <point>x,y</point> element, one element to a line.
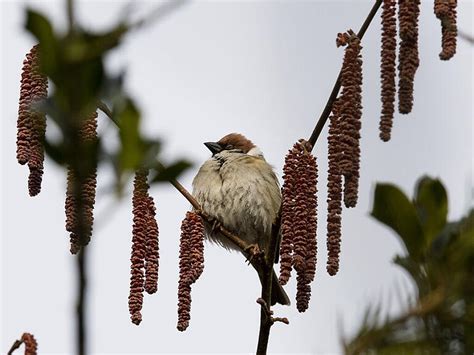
<point>278,293</point>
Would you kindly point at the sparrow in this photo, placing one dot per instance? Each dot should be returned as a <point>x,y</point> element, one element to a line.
<point>239,188</point>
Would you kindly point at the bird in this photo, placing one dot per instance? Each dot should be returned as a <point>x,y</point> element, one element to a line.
<point>239,189</point>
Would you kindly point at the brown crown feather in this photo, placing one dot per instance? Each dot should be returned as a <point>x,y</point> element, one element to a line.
<point>238,141</point>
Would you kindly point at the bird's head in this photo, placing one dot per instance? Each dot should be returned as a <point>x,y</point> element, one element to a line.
<point>234,142</point>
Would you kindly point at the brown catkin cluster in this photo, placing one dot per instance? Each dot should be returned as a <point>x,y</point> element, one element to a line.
<point>81,230</point>
<point>445,10</point>
<point>191,264</point>
<point>408,60</point>
<point>387,68</point>
<point>144,257</point>
<point>299,223</point>
<point>350,110</point>
<point>31,346</point>
<point>31,123</point>
<point>334,199</point>
<point>152,250</point>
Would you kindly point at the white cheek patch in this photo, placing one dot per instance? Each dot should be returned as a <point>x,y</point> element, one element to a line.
<point>256,152</point>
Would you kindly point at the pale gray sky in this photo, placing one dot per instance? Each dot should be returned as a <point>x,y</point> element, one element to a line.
<point>262,68</point>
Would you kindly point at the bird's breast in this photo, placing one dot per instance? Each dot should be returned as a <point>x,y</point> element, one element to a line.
<point>242,194</point>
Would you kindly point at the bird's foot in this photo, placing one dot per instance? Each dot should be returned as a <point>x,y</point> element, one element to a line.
<point>216,225</point>
<point>253,250</point>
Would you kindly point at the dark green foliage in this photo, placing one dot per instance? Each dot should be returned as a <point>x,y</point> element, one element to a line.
<point>395,210</point>
<point>167,173</point>
<point>440,261</point>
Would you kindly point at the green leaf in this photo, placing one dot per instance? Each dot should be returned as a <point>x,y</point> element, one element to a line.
<point>41,28</point>
<point>393,208</point>
<point>415,271</point>
<point>151,151</point>
<point>55,152</point>
<point>132,146</point>
<point>171,172</point>
<point>431,201</point>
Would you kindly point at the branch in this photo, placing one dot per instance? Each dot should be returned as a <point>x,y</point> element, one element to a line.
<point>159,12</point>
<point>269,312</point>
<point>463,35</point>
<point>337,86</point>
<point>70,14</point>
<point>81,304</point>
<point>15,346</point>
<point>266,314</point>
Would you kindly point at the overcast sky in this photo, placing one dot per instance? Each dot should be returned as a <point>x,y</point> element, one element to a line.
<point>261,68</point>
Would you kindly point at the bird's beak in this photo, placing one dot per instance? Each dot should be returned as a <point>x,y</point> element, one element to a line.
<point>213,147</point>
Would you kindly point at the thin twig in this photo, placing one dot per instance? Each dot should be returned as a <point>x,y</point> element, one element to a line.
<point>468,38</point>
<point>70,14</point>
<point>446,22</point>
<point>81,302</point>
<point>15,346</point>
<point>159,12</point>
<point>337,85</point>
<point>266,319</point>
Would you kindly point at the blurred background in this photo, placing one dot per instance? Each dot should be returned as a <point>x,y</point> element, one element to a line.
<point>261,68</point>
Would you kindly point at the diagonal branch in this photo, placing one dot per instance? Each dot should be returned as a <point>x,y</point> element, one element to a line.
<point>337,85</point>
<point>16,345</point>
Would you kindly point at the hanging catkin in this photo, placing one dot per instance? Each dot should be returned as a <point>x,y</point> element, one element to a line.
<point>351,112</point>
<point>387,67</point>
<point>191,264</point>
<point>287,215</point>
<point>31,124</point>
<point>299,208</point>
<point>334,199</point>
<point>81,230</point>
<point>152,249</point>
<point>31,346</point>
<point>446,12</point>
<point>408,60</point>
<point>144,256</point>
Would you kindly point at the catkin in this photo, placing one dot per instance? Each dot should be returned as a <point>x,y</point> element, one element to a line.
<point>137,259</point>
<point>31,124</point>
<point>31,346</point>
<point>334,200</point>
<point>344,145</point>
<point>287,215</point>
<point>408,60</point>
<point>80,227</point>
<point>298,248</point>
<point>152,249</point>
<point>446,12</point>
<point>387,67</point>
<point>144,257</point>
<point>351,114</point>
<point>191,264</point>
